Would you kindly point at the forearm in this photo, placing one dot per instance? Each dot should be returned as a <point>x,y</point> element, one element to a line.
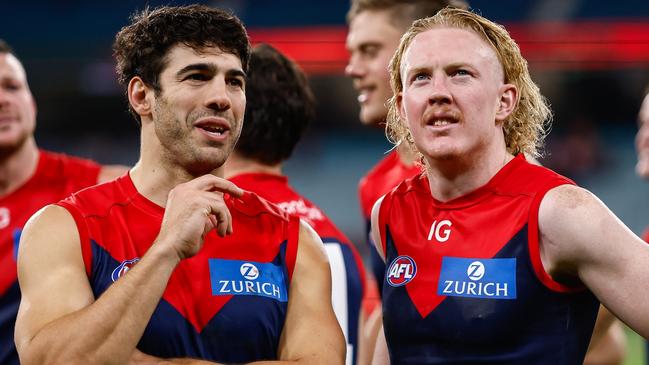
<point>107,330</point>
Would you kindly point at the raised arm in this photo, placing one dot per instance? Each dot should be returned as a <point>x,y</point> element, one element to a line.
<point>59,321</point>
<point>583,241</point>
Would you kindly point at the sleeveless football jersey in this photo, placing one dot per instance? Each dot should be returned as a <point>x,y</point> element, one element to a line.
<point>227,304</point>
<point>382,178</point>
<point>464,282</point>
<point>56,177</point>
<point>347,273</point>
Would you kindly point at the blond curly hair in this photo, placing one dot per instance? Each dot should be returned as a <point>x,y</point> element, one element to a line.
<point>526,127</point>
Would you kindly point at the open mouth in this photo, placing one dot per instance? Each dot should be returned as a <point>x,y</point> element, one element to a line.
<point>441,122</point>
<point>215,128</point>
<point>364,94</point>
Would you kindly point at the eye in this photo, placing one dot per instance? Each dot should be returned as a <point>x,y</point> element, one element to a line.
<point>11,86</point>
<point>460,72</point>
<point>370,51</point>
<point>420,76</point>
<point>236,82</point>
<point>197,77</point>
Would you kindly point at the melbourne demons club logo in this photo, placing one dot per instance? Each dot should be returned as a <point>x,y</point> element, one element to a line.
<point>401,271</point>
<point>123,268</point>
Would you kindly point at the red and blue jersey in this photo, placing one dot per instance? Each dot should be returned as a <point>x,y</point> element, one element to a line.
<point>56,177</point>
<point>382,178</point>
<point>348,275</point>
<point>464,282</point>
<point>228,303</point>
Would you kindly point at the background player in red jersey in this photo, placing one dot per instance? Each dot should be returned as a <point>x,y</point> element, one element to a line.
<point>30,178</point>
<point>464,99</point>
<point>375,27</point>
<point>279,107</point>
<point>184,71</point>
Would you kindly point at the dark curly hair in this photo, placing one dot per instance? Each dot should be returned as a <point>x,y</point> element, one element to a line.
<point>279,107</point>
<point>141,48</point>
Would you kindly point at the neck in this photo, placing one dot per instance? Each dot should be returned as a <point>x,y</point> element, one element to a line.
<point>459,175</point>
<point>237,165</point>
<point>17,166</point>
<point>406,154</point>
<point>155,174</point>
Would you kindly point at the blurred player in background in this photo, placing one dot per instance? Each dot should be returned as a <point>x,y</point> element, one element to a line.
<point>375,27</point>
<point>30,178</point>
<point>279,107</point>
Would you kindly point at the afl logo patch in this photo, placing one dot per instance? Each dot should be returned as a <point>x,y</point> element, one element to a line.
<point>123,268</point>
<point>401,271</point>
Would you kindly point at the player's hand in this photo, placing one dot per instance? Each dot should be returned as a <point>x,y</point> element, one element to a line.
<point>193,209</point>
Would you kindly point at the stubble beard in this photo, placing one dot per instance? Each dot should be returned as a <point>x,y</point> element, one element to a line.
<point>180,149</point>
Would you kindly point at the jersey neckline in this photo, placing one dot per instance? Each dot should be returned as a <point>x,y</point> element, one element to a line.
<point>481,192</point>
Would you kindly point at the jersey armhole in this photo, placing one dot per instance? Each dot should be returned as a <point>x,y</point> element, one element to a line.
<point>382,223</point>
<point>82,228</point>
<point>291,246</point>
<point>533,245</point>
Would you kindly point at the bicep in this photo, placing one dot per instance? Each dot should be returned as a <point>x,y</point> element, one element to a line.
<point>51,272</point>
<point>311,330</point>
<point>580,236</point>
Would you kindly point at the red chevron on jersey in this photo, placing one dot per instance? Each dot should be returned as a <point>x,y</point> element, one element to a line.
<point>418,226</point>
<point>117,224</point>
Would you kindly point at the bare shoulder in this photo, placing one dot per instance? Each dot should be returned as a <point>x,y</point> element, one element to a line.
<point>50,233</point>
<point>110,172</point>
<point>566,205</point>
<point>577,228</point>
<point>310,249</point>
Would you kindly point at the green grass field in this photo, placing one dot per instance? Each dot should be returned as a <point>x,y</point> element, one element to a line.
<point>635,349</point>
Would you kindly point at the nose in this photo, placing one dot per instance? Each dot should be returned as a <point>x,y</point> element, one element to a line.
<point>439,91</point>
<point>218,97</point>
<point>355,68</point>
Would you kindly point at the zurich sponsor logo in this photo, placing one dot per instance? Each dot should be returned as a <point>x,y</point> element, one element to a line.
<point>483,278</point>
<point>123,268</point>
<point>249,271</point>
<point>475,271</point>
<point>235,277</point>
<point>401,271</point>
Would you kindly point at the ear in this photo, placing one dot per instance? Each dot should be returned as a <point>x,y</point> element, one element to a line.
<point>399,105</point>
<point>139,95</point>
<point>507,103</point>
